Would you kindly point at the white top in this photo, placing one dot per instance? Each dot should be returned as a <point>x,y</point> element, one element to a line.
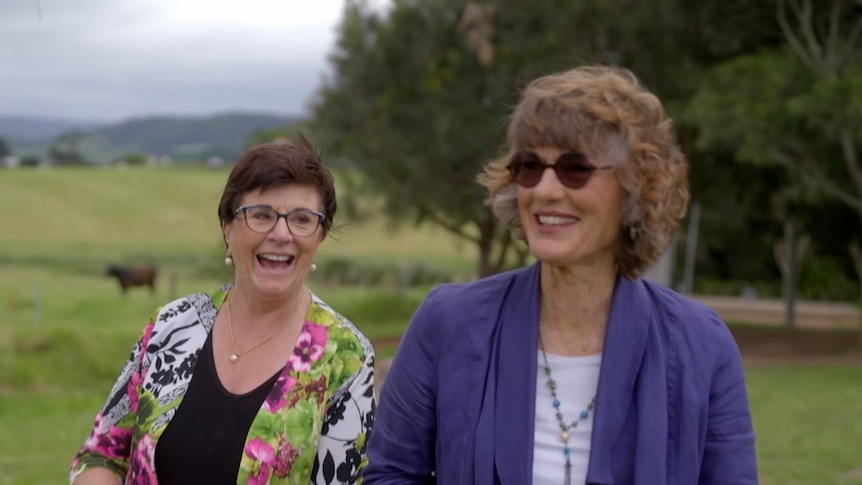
<point>577,380</point>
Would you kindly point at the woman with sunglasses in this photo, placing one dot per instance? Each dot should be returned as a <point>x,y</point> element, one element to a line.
<point>259,382</point>
<point>573,370</point>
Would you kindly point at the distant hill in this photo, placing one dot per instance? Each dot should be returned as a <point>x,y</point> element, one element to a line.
<point>28,128</point>
<point>162,135</point>
<point>180,138</point>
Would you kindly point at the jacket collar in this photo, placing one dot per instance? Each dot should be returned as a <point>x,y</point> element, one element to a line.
<point>516,378</point>
<point>628,329</point>
<point>516,366</point>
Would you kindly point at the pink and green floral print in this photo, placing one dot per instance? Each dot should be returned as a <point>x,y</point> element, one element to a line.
<point>311,428</point>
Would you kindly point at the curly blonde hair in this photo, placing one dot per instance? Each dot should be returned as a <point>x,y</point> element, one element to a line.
<point>606,114</point>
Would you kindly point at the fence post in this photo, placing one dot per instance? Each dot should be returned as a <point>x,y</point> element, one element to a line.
<point>172,287</point>
<point>37,303</point>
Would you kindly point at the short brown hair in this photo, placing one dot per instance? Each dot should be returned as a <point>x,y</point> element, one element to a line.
<point>276,164</point>
<point>607,114</point>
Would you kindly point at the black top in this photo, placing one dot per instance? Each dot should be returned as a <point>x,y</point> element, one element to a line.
<point>203,443</point>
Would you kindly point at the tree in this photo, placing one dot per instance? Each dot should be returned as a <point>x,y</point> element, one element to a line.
<point>414,108</point>
<point>828,47</point>
<point>66,148</point>
<point>134,158</point>
<point>267,135</point>
<point>419,93</point>
<point>797,106</point>
<point>4,148</point>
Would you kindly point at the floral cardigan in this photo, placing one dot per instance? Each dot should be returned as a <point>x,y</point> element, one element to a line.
<point>311,428</point>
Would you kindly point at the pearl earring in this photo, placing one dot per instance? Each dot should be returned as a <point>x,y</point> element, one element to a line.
<point>313,266</point>
<point>228,260</point>
<point>633,232</point>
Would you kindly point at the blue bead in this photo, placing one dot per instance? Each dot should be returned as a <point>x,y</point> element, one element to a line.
<point>567,452</point>
<point>556,403</point>
<point>584,414</point>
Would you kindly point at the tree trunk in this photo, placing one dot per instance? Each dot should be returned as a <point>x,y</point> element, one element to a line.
<point>485,250</point>
<point>857,262</point>
<point>691,248</point>
<point>486,243</point>
<point>789,253</point>
<point>498,250</point>
<point>791,240</point>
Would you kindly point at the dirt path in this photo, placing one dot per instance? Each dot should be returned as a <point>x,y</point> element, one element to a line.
<point>809,314</point>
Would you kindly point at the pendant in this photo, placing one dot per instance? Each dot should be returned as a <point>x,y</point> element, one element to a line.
<point>233,358</point>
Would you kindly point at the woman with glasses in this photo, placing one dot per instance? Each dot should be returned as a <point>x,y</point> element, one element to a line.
<point>259,381</point>
<point>573,370</point>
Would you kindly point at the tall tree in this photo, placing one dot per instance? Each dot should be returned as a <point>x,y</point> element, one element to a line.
<point>827,43</point>
<point>419,93</point>
<point>797,107</point>
<point>415,106</point>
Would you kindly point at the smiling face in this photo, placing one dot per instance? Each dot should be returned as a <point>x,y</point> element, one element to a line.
<point>572,227</point>
<point>276,263</point>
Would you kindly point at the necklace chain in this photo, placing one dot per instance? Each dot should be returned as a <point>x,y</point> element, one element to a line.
<point>564,427</point>
<point>234,357</point>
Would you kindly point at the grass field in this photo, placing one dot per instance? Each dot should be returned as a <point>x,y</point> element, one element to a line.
<point>807,423</point>
<point>65,329</point>
<point>89,215</point>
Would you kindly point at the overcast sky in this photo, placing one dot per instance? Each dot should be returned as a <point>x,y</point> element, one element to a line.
<point>107,60</point>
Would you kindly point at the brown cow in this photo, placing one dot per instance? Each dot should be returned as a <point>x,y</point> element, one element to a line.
<point>128,276</point>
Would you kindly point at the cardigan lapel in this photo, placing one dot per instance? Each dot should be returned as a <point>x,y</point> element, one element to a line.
<point>516,379</point>
<point>625,344</point>
<point>511,380</point>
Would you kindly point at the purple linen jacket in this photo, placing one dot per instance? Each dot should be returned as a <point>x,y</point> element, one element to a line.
<point>459,400</point>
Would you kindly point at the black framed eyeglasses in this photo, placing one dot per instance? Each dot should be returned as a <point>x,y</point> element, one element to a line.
<point>263,218</point>
<point>572,168</point>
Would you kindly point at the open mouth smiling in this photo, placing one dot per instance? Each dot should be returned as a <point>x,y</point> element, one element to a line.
<point>555,220</point>
<point>275,260</point>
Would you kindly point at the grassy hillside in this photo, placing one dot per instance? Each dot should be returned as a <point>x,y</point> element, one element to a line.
<point>82,212</point>
<point>73,216</point>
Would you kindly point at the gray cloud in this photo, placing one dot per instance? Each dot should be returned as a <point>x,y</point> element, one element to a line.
<point>106,60</point>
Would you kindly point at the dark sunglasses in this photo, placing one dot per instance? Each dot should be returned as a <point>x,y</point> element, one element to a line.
<point>572,168</point>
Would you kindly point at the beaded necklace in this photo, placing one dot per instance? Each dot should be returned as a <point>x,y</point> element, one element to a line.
<point>564,427</point>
